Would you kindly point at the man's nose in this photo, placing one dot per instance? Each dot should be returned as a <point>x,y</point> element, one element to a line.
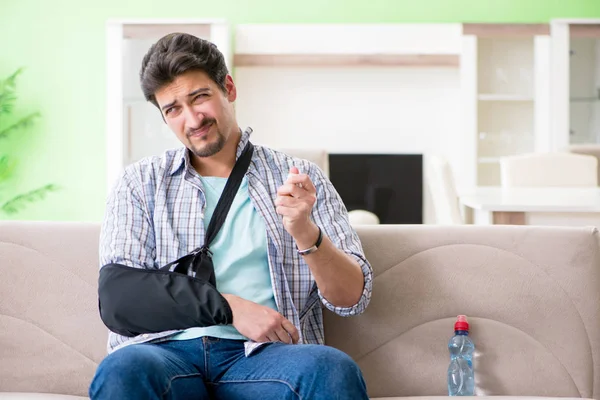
<point>193,119</point>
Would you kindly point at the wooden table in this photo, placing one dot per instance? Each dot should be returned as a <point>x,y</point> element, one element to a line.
<point>519,206</point>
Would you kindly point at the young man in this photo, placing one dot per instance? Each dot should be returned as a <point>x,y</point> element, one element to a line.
<point>159,211</point>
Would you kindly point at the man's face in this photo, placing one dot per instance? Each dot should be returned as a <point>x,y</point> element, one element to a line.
<point>198,111</point>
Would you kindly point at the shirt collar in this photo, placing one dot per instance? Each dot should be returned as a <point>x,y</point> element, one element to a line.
<point>182,156</point>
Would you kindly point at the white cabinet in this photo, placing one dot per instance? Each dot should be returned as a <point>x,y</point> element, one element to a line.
<point>134,127</point>
<point>505,81</point>
<point>575,82</point>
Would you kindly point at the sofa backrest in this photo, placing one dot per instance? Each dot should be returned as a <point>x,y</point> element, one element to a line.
<point>51,336</point>
<point>532,295</point>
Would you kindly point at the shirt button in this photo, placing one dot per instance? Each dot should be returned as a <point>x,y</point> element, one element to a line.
<point>145,336</point>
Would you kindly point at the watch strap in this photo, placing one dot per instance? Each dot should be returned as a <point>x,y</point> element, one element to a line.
<point>314,248</point>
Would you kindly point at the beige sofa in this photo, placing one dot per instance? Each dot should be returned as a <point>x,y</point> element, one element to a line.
<point>532,295</point>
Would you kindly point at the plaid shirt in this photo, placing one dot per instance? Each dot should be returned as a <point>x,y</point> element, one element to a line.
<point>155,212</point>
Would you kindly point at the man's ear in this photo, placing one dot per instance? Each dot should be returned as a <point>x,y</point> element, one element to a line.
<point>230,88</point>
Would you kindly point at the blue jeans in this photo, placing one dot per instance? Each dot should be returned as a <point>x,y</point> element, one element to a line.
<point>212,368</point>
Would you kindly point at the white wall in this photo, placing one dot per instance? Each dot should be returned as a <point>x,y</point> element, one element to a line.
<point>350,110</point>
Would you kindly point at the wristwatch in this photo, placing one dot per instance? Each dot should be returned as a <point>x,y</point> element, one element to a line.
<point>314,248</point>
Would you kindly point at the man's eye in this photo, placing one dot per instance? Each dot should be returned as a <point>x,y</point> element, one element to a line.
<point>200,96</point>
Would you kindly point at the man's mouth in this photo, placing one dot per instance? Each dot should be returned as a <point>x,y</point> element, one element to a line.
<point>201,131</point>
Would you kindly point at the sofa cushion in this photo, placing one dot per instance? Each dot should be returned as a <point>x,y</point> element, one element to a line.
<point>532,295</point>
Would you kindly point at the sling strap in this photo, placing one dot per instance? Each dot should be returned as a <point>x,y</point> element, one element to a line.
<point>199,261</point>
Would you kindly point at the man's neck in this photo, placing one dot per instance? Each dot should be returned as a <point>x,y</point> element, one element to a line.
<point>220,164</point>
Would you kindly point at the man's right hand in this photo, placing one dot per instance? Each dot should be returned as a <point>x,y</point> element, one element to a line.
<point>260,323</point>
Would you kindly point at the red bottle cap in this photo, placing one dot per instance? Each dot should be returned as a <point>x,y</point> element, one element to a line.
<point>461,323</point>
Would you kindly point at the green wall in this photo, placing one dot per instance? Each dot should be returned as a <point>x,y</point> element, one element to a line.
<point>61,42</point>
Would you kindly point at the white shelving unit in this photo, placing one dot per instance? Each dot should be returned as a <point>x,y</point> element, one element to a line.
<point>352,88</point>
<point>503,97</point>
<point>506,87</point>
<point>470,92</point>
<point>134,127</point>
<point>576,82</point>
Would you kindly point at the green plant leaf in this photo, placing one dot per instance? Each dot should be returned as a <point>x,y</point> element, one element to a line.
<point>7,92</point>
<point>10,83</point>
<point>7,100</point>
<point>24,122</point>
<point>21,201</point>
<point>7,103</point>
<point>7,166</point>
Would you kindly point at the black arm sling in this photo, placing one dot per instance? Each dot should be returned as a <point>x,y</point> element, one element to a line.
<point>133,301</point>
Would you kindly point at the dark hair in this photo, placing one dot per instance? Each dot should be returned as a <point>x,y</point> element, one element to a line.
<point>175,54</point>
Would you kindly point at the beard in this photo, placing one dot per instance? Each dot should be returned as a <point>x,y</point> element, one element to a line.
<point>210,148</point>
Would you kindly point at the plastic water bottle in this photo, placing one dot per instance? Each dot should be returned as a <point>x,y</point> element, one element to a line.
<point>461,379</point>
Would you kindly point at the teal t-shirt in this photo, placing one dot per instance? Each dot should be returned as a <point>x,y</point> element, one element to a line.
<point>239,255</point>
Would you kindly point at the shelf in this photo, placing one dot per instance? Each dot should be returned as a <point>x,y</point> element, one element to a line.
<point>156,31</point>
<point>504,97</point>
<point>584,30</point>
<point>134,100</point>
<point>337,60</point>
<point>506,30</point>
<point>488,160</point>
<point>584,99</point>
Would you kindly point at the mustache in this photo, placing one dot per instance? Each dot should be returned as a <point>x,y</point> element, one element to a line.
<point>205,122</point>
